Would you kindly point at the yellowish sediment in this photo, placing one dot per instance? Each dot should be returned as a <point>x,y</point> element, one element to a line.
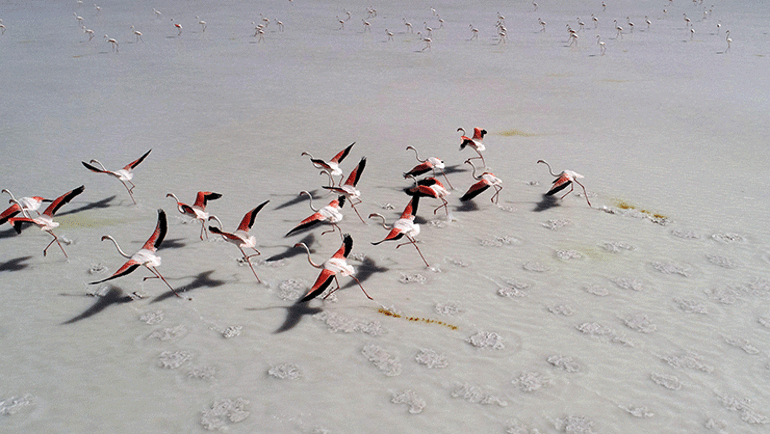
<point>390,313</point>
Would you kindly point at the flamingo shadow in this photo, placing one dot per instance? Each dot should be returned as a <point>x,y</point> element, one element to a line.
<point>101,204</point>
<point>468,206</point>
<point>548,202</point>
<point>294,314</point>
<point>202,280</point>
<point>298,199</point>
<point>367,269</point>
<point>113,296</point>
<point>15,264</point>
<point>8,233</point>
<point>292,251</point>
<point>175,243</point>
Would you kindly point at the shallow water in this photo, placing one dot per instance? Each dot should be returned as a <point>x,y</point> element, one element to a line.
<point>647,312</point>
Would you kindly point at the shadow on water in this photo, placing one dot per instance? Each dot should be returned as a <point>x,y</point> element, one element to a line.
<point>292,251</point>
<point>548,202</point>
<point>298,199</point>
<point>8,233</point>
<point>467,206</point>
<point>175,243</point>
<point>294,314</point>
<point>104,203</point>
<point>202,280</point>
<point>15,264</point>
<point>113,296</point>
<point>367,269</point>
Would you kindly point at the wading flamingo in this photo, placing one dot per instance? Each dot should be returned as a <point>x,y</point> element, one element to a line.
<point>145,256</point>
<point>330,214</point>
<point>337,264</point>
<point>198,209</point>
<point>429,187</point>
<point>431,163</point>
<point>45,220</point>
<point>241,237</point>
<point>332,167</point>
<point>23,206</point>
<point>124,175</point>
<point>403,227</point>
<point>564,179</point>
<point>485,180</point>
<point>602,45</point>
<point>348,189</point>
<point>476,142</point>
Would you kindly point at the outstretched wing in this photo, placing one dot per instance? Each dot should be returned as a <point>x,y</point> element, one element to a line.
<point>248,219</point>
<point>228,235</point>
<point>320,285</point>
<point>347,246</point>
<point>475,190</point>
<point>419,169</point>
<point>308,222</point>
<point>355,175</point>
<point>127,268</point>
<point>411,208</point>
<point>558,185</point>
<point>203,197</point>
<point>61,200</point>
<point>136,162</point>
<point>153,243</point>
<point>342,154</point>
<point>478,133</point>
<point>94,168</point>
<point>394,234</point>
<point>10,212</point>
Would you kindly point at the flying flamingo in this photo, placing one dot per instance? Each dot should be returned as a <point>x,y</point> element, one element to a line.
<point>348,189</point>
<point>332,167</point>
<point>431,163</point>
<point>429,187</point>
<point>563,180</point>
<point>330,213</point>
<point>45,220</point>
<point>337,264</point>
<point>403,227</point>
<point>145,256</point>
<point>241,237</point>
<point>476,142</point>
<point>198,209</point>
<point>23,205</point>
<point>124,175</point>
<point>485,180</point>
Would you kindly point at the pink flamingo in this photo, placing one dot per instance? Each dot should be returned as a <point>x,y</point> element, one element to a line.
<point>476,142</point>
<point>485,180</point>
<point>124,175</point>
<point>241,237</point>
<point>45,220</point>
<point>431,163</point>
<point>348,189</point>
<point>23,205</point>
<point>145,256</point>
<point>198,209</point>
<point>564,179</point>
<point>403,227</point>
<point>430,187</point>
<point>330,213</point>
<point>337,264</point>
<point>332,167</point>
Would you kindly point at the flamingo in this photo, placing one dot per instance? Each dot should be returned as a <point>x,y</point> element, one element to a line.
<point>476,142</point>
<point>728,39</point>
<point>88,32</point>
<point>23,205</point>
<point>602,45</point>
<point>619,29</point>
<point>542,24</point>
<point>426,40</point>
<point>348,189</point>
<point>124,175</point>
<point>630,24</point>
<point>485,180</point>
<point>595,20</point>
<point>157,13</point>
<point>390,34</point>
<point>408,26</point>
<point>474,32</point>
<point>280,24</point>
<point>337,264</point>
<point>647,20</point>
<point>241,237</point>
<point>202,23</point>
<point>431,163</point>
<point>403,227</point>
<point>367,25</point>
<point>429,187</point>
<point>342,23</point>
<point>137,33</point>
<point>330,213</point>
<point>45,220</point>
<point>563,180</point>
<point>114,42</point>
<point>145,256</point>
<point>198,209</point>
<point>332,167</point>
<point>178,27</point>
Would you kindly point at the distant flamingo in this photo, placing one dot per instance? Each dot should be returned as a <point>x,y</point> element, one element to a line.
<point>476,142</point>
<point>408,26</point>
<point>367,25</point>
<point>202,23</point>
<point>45,220</point>
<point>431,163</point>
<point>241,237</point>
<point>564,179</point>
<point>330,213</point>
<point>124,175</point>
<point>729,40</point>
<point>485,180</point>
<point>178,27</point>
<point>145,256</point>
<point>114,42</point>
<point>337,264</point>
<point>348,189</point>
<point>23,205</point>
<point>403,227</point>
<point>198,209</point>
<point>430,187</point>
<point>630,24</point>
<point>342,23</point>
<point>426,40</point>
<point>602,45</point>
<point>390,34</point>
<point>88,32</point>
<point>332,167</point>
<point>619,29</point>
<point>474,32</point>
<point>137,33</point>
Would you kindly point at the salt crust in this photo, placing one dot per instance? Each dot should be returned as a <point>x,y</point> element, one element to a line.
<point>410,398</point>
<point>224,412</point>
<point>388,364</point>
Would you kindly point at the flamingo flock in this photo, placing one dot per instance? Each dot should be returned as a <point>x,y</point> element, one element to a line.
<point>405,228</point>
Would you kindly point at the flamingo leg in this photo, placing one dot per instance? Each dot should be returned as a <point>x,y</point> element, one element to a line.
<point>444,205</point>
<point>497,192</point>
<point>335,289</point>
<point>130,191</point>
<point>445,177</point>
<point>248,261</point>
<point>55,239</point>
<point>571,187</point>
<point>203,230</point>
<point>361,286</point>
<point>356,210</point>
<point>157,275</point>
<point>413,242</point>
<point>585,192</point>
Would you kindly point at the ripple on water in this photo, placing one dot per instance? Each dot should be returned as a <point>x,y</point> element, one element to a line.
<point>412,278</point>
<point>450,308</point>
<point>727,294</point>
<point>728,237</point>
<point>566,255</point>
<point>561,309</point>
<point>410,398</point>
<point>629,283</point>
<point>556,224</point>
<point>168,333</point>
<point>500,241</point>
<point>685,234</point>
<point>173,359</point>
<point>224,412</point>
<point>722,261</point>
<point>535,267</point>
<point>151,318</point>
<point>232,331</point>
<point>668,267</point>
<point>575,425</point>
<point>513,288</point>
<point>640,323</point>
<point>616,246</point>
<point>743,344</point>
<point>477,395</point>
<point>688,360</point>
<point>291,289</point>
<point>203,372</point>
<point>690,305</point>
<point>638,411</point>
<point>597,290</point>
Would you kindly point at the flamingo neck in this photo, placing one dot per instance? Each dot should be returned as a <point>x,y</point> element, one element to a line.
<point>416,155</point>
<point>307,249</point>
<point>382,218</point>
<point>97,161</point>
<point>310,197</point>
<point>117,246</point>
<point>549,167</point>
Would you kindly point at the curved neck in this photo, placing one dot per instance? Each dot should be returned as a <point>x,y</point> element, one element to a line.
<point>474,170</point>
<point>124,254</point>
<point>416,155</point>
<point>307,249</point>
<point>308,154</point>
<point>381,217</point>
<point>310,197</point>
<point>549,167</point>
<point>178,203</point>
<point>97,161</point>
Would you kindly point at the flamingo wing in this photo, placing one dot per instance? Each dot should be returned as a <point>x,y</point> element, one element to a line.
<point>342,154</point>
<point>475,190</point>
<point>127,268</point>
<point>347,246</point>
<point>153,243</point>
<point>248,219</point>
<point>411,208</point>
<point>419,169</point>
<point>466,141</point>
<point>228,235</point>
<point>478,133</point>
<point>17,221</point>
<point>320,285</point>
<point>394,234</point>
<point>136,162</point>
<point>559,184</point>
<point>203,197</point>
<point>95,169</point>
<point>355,175</point>
<point>10,212</point>
<point>308,222</point>
<point>63,199</point>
